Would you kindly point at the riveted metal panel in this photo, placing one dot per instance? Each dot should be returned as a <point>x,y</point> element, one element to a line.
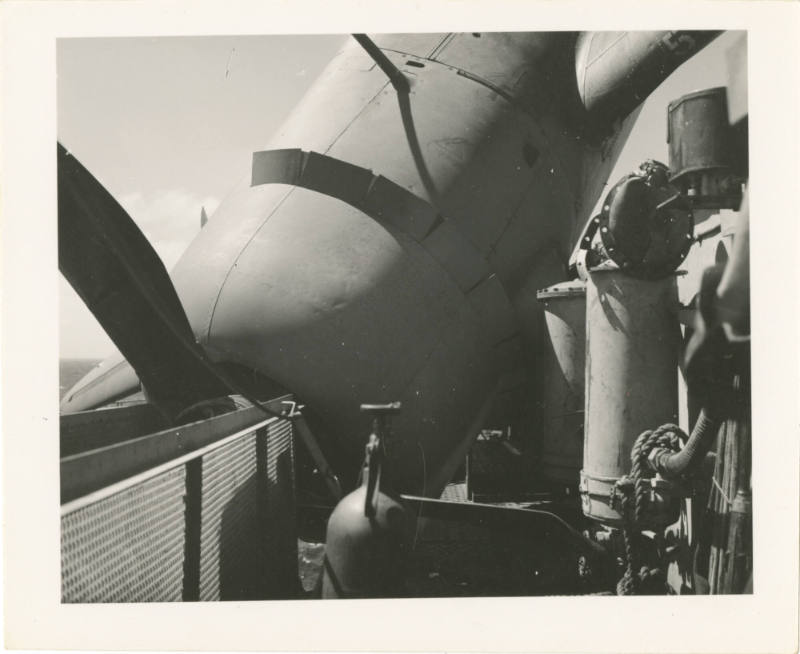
<point>127,547</point>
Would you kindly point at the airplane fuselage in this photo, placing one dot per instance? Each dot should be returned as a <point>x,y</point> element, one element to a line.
<point>392,246</point>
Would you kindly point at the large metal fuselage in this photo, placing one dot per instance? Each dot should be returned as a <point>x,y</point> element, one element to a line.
<point>332,297</point>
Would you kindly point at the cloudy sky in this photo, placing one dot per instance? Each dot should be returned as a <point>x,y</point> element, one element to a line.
<point>168,125</point>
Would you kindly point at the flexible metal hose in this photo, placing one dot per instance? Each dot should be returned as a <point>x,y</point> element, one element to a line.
<point>673,464</point>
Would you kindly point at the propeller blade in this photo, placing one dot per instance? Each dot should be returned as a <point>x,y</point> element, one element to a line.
<point>117,273</point>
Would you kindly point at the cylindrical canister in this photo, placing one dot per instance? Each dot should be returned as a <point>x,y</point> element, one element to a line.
<point>701,149</point>
<point>562,380</point>
<point>633,344</point>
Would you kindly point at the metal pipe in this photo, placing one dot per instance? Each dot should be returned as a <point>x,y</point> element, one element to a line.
<point>632,351</point>
<point>616,71</point>
<point>673,464</point>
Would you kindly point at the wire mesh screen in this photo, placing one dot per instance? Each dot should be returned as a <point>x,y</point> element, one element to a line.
<point>127,547</point>
<point>229,554</point>
<point>248,547</point>
<point>279,528</point>
<point>219,526</point>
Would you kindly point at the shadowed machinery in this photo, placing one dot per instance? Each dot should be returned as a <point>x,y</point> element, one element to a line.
<point>416,246</point>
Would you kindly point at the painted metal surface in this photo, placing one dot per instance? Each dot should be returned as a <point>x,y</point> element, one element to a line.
<point>90,430</point>
<point>486,165</point>
<point>114,378</point>
<point>616,70</point>
<point>633,345</point>
<point>328,294</point>
<point>703,149</point>
<point>562,387</point>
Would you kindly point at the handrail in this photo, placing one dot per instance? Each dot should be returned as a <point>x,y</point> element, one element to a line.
<point>112,489</point>
<point>90,471</point>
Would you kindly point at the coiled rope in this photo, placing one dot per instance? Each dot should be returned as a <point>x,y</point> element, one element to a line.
<point>633,493</point>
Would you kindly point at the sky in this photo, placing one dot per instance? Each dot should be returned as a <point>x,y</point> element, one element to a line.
<point>168,125</point>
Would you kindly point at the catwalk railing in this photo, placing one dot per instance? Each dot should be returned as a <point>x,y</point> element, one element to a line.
<point>204,511</point>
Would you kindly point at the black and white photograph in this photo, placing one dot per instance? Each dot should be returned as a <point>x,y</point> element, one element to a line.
<point>399,316</point>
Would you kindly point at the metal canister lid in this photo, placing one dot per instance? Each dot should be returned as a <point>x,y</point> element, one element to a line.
<point>701,93</point>
<point>571,288</point>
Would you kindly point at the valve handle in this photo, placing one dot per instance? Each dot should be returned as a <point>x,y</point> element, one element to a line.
<point>374,451</point>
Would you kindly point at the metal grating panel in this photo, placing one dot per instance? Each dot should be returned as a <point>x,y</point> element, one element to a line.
<point>229,552</point>
<point>279,529</point>
<point>127,547</point>
<point>455,493</point>
<point>220,526</point>
<point>248,547</point>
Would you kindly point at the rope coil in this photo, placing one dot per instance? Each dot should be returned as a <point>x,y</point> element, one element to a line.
<point>633,494</point>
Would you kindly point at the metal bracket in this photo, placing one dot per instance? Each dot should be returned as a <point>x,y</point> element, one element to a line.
<point>292,409</point>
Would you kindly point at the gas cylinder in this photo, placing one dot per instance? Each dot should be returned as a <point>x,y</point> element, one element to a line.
<point>632,349</point>
<point>369,530</point>
<point>562,380</point>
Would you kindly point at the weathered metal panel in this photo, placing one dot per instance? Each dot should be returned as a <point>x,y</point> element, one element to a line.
<point>127,547</point>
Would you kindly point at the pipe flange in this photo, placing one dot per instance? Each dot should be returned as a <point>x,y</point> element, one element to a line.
<point>645,225</point>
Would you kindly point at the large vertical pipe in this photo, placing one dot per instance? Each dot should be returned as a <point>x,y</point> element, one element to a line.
<point>562,380</point>
<point>633,343</point>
